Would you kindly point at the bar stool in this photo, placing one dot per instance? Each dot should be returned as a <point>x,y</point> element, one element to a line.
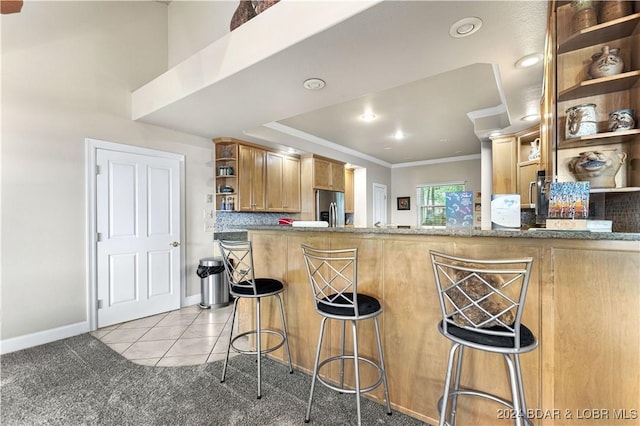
<point>334,285</point>
<point>237,257</point>
<point>482,303</point>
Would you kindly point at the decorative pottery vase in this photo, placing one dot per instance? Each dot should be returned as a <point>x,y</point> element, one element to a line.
<point>243,13</point>
<point>534,153</point>
<point>581,121</point>
<point>584,15</point>
<point>614,9</point>
<point>606,63</point>
<point>621,119</point>
<point>597,167</point>
<point>262,5</point>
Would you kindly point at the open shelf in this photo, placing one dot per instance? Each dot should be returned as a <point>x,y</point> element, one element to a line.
<point>607,138</point>
<point>601,33</point>
<point>614,83</point>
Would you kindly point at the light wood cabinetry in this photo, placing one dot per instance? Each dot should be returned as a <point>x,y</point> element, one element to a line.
<point>574,51</point>
<point>326,173</point>
<point>503,153</point>
<point>581,304</point>
<point>513,172</point>
<point>251,183</point>
<point>318,172</point>
<point>251,178</point>
<point>348,191</point>
<point>283,183</point>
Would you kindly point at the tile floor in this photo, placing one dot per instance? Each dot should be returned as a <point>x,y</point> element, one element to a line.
<point>188,336</point>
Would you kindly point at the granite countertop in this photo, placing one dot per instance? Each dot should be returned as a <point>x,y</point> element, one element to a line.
<point>532,233</point>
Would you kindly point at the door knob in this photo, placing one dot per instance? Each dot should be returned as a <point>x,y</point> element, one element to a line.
<point>174,244</point>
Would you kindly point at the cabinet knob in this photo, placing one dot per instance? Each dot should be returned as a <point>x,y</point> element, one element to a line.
<point>174,244</point>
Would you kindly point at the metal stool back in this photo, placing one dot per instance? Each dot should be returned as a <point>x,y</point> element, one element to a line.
<point>334,285</point>
<point>237,257</point>
<point>482,303</point>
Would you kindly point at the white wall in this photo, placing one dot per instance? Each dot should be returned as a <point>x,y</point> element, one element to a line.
<point>193,25</point>
<point>68,69</point>
<point>404,181</point>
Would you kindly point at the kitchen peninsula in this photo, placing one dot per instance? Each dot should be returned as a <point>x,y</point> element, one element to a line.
<point>582,305</point>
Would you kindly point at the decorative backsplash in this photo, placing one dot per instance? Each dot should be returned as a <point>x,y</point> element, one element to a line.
<point>229,221</point>
<point>624,210</point>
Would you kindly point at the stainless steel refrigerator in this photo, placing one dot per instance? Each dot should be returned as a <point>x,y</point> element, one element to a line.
<point>330,207</point>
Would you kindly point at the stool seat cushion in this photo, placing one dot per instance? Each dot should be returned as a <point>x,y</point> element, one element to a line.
<point>526,336</point>
<point>264,286</point>
<point>366,305</point>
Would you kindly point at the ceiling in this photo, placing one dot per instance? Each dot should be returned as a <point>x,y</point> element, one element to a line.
<point>395,59</point>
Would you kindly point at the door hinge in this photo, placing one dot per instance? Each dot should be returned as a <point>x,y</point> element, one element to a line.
<point>99,303</point>
<point>99,236</point>
<point>97,169</point>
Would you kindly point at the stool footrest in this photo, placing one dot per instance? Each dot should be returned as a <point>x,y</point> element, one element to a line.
<point>348,390</point>
<point>263,351</point>
<point>486,395</point>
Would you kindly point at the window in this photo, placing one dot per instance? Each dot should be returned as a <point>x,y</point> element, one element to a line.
<point>431,203</point>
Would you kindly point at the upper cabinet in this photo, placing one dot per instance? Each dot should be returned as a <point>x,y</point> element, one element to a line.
<point>283,183</point>
<point>597,78</point>
<point>326,173</point>
<point>516,161</point>
<point>349,205</point>
<point>251,178</point>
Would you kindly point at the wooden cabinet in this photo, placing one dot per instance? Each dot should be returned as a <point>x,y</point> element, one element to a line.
<point>283,183</point>
<point>574,51</point>
<point>226,171</point>
<point>513,171</point>
<point>503,153</point>
<point>318,173</point>
<point>348,191</point>
<point>327,174</point>
<point>251,179</point>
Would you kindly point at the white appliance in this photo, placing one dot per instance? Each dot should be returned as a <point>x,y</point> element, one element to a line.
<point>330,207</point>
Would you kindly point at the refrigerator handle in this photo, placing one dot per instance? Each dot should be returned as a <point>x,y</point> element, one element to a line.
<point>332,214</point>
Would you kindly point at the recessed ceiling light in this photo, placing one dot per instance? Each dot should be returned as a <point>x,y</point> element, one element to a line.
<point>398,135</point>
<point>528,61</point>
<point>368,116</point>
<point>313,84</point>
<point>465,27</point>
<point>531,117</point>
<point>494,133</point>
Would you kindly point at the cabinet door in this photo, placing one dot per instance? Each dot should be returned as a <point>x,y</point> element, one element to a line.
<point>275,186</point>
<point>348,191</point>
<point>251,179</point>
<point>527,174</point>
<point>291,184</point>
<point>259,172</point>
<point>321,174</point>
<point>504,165</point>
<point>337,177</point>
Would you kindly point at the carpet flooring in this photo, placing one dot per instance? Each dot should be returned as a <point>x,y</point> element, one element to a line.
<point>81,381</point>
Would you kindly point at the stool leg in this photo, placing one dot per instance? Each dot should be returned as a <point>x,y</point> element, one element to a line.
<point>447,384</point>
<point>514,380</point>
<point>259,346</point>
<point>233,319</point>
<point>286,333</point>
<point>523,400</point>
<point>315,369</point>
<point>456,386</point>
<point>356,368</point>
<point>342,340</point>
<point>382,367</point>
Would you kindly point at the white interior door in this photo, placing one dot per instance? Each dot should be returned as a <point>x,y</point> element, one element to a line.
<point>138,225</point>
<point>379,204</point>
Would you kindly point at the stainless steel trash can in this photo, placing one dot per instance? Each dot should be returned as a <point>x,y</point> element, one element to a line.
<point>214,290</point>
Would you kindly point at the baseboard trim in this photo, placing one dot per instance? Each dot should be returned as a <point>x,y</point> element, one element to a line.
<point>41,337</point>
<point>191,300</point>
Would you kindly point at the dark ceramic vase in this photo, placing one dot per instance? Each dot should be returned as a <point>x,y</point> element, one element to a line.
<point>243,13</point>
